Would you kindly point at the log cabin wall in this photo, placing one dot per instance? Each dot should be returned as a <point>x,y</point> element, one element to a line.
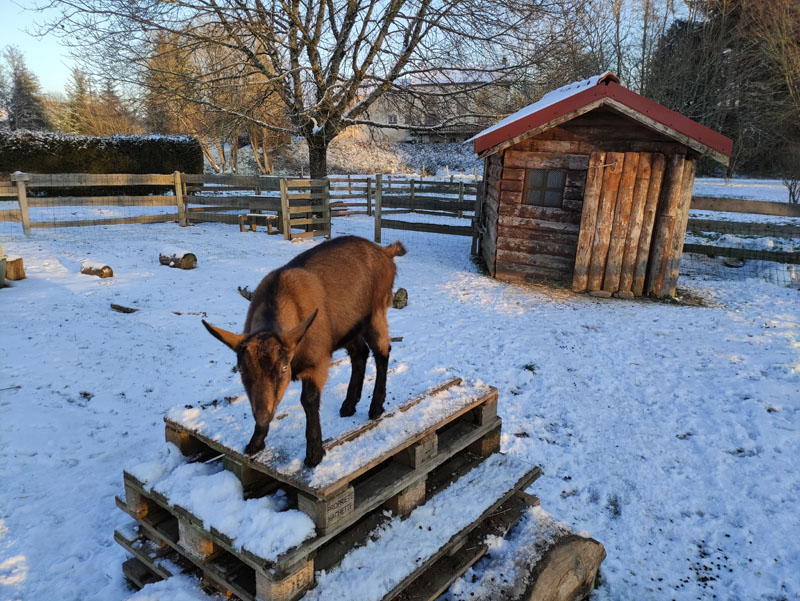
<point>540,243</point>
<point>493,170</point>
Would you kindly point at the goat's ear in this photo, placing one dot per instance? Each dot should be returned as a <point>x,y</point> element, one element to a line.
<point>291,338</point>
<point>228,338</point>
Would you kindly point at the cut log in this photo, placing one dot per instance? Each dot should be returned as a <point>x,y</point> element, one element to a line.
<point>14,269</point>
<point>566,571</point>
<point>400,299</point>
<point>178,258</point>
<point>99,269</point>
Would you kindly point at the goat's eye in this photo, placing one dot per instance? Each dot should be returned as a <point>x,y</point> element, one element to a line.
<point>284,368</point>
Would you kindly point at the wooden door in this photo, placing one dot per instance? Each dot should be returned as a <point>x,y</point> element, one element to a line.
<point>619,214</point>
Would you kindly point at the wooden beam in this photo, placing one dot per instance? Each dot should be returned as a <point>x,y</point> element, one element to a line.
<point>605,217</point>
<point>619,229</point>
<point>648,221</point>
<point>741,205</point>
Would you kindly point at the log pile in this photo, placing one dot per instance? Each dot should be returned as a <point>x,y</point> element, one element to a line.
<point>178,259</point>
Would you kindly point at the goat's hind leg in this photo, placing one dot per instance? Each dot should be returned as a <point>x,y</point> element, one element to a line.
<point>377,337</point>
<point>358,352</point>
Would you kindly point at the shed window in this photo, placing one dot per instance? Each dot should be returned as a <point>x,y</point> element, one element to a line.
<point>392,119</point>
<point>545,187</point>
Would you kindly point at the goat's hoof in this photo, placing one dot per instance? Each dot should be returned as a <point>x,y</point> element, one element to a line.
<point>347,410</point>
<point>375,413</point>
<point>313,458</point>
<point>254,447</point>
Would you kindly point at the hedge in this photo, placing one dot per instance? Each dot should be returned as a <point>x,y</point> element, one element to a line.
<point>48,152</point>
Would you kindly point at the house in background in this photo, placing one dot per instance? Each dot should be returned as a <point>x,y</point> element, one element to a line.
<point>591,187</point>
<point>447,102</point>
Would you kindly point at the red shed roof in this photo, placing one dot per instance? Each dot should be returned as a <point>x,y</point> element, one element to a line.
<point>580,97</point>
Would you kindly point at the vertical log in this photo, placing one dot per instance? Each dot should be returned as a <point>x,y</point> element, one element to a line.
<point>411,192</point>
<point>605,216</point>
<point>369,197</point>
<point>179,199</point>
<point>591,201</point>
<point>22,198</point>
<point>648,221</point>
<point>665,226</point>
<point>678,238</point>
<point>377,211</point>
<point>285,216</point>
<point>635,224</point>
<point>619,229</point>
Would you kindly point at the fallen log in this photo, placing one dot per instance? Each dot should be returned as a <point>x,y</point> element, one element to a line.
<point>178,258</point>
<point>550,563</point>
<point>101,270</point>
<point>14,269</point>
<point>123,308</point>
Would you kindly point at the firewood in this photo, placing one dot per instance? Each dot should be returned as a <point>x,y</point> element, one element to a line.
<point>566,571</point>
<point>178,258</point>
<point>99,269</point>
<point>123,308</point>
<point>14,269</point>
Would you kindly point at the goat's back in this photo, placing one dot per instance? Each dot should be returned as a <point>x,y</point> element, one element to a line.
<point>346,279</point>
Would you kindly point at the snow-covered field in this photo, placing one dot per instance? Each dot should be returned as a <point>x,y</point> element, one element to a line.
<point>668,432</point>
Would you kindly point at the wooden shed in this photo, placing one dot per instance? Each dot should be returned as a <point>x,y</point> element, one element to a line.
<point>591,186</point>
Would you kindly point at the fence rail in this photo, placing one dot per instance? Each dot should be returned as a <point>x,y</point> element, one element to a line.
<point>194,197</point>
<point>744,228</point>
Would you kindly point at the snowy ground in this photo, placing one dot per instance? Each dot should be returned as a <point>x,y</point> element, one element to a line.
<point>668,432</point>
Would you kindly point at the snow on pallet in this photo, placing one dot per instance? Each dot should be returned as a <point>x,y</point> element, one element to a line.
<point>382,557</point>
<point>234,516</point>
<point>417,437</point>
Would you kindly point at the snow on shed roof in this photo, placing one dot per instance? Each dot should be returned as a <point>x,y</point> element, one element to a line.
<point>578,97</point>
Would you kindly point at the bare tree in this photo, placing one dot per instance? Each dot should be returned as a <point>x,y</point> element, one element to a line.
<point>327,61</point>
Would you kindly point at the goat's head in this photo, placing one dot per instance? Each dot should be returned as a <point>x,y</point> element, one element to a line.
<point>265,366</point>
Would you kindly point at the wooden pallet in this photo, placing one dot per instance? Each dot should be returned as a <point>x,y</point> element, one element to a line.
<point>233,572</point>
<point>398,478</point>
<point>340,501</point>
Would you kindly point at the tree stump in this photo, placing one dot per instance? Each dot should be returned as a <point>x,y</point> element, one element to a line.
<point>14,269</point>
<point>400,299</point>
<point>99,269</point>
<point>178,258</point>
<point>566,571</point>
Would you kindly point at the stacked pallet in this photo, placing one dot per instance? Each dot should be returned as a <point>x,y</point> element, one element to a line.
<point>267,527</point>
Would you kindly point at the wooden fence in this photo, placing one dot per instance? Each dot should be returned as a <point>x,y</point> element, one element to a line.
<point>457,200</point>
<point>196,198</point>
<point>744,228</point>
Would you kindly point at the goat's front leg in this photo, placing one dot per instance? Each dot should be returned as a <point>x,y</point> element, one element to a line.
<point>310,398</point>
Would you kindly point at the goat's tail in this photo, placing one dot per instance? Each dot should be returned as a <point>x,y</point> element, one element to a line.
<point>395,249</point>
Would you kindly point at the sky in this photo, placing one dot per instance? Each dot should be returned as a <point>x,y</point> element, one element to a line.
<point>45,57</point>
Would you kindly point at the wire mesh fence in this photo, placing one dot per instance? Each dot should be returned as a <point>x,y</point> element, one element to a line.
<point>743,246</point>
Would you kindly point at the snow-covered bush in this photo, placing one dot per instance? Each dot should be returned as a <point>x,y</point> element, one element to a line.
<point>49,152</point>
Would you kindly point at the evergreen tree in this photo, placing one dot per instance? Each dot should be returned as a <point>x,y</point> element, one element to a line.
<point>79,101</point>
<point>22,101</point>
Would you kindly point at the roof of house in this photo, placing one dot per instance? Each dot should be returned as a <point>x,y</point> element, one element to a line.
<point>580,97</point>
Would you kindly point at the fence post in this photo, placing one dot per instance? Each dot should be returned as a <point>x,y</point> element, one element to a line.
<point>179,199</point>
<point>326,204</point>
<point>22,197</point>
<point>369,197</point>
<point>378,199</point>
<point>285,217</point>
<point>411,192</point>
<point>460,197</point>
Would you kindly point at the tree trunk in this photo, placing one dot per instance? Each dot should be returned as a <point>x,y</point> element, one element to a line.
<point>318,159</point>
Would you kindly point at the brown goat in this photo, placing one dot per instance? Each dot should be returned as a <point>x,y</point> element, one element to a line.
<point>332,296</point>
